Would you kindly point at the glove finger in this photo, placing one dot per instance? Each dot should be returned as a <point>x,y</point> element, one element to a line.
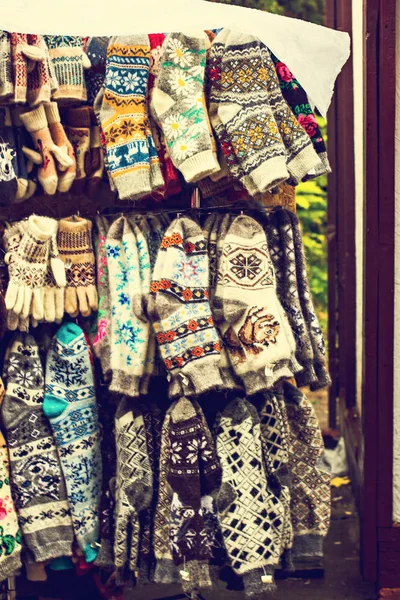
<point>49,305</point>
<point>71,302</point>
<point>24,301</point>
<point>38,304</point>
<point>12,320</point>
<point>84,307</point>
<point>11,295</point>
<point>93,297</point>
<point>59,302</point>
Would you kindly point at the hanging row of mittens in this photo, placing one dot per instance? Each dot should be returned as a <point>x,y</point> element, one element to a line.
<point>150,490</point>
<point>219,111</point>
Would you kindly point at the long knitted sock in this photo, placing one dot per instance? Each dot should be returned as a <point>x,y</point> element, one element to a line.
<point>70,405</point>
<point>178,105</point>
<point>65,176</point>
<point>124,119</point>
<point>9,185</point>
<point>37,481</point>
<point>69,61</point>
<point>75,245</point>
<point>78,133</point>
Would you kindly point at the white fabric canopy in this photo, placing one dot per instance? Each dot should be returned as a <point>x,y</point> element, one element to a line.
<point>314,54</point>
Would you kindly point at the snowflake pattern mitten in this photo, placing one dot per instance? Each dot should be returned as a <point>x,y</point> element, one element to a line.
<point>70,404</point>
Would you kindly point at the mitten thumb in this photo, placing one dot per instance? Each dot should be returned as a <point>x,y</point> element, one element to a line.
<point>86,61</point>
<point>61,156</point>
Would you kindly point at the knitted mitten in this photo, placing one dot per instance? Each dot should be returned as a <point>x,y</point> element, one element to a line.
<point>36,478</point>
<point>36,123</point>
<point>310,483</point>
<point>78,132</point>
<point>188,445</point>
<point>96,157</point>
<point>255,329</point>
<point>6,81</point>
<point>75,245</point>
<point>65,176</point>
<point>134,486</point>
<point>69,62</point>
<point>9,184</point>
<point>70,405</point>
<point>180,311</point>
<point>258,148</point>
<point>101,341</point>
<point>307,306</point>
<point>129,334</point>
<point>28,266</point>
<point>178,105</point>
<point>19,66</point>
<point>96,50</point>
<point>40,84</point>
<point>248,507</point>
<point>132,157</point>
<point>297,99</point>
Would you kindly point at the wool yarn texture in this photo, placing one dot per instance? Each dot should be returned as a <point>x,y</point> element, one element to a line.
<point>19,65</point>
<point>41,85</point>
<point>66,176</point>
<point>178,104</point>
<point>181,313</point>
<point>28,266</point>
<point>96,50</point>
<point>254,329</point>
<point>310,483</point>
<point>6,80</point>
<point>134,485</point>
<point>69,62</point>
<point>132,157</point>
<point>129,335</point>
<point>9,162</point>
<point>70,405</point>
<point>37,481</point>
<point>74,242</point>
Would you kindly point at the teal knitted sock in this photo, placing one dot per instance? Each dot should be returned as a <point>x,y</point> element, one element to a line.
<point>70,405</point>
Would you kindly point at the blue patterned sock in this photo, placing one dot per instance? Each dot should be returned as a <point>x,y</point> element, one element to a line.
<point>70,404</point>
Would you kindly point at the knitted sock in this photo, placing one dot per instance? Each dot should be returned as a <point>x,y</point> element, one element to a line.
<point>65,176</point>
<point>101,342</point>
<point>36,123</point>
<point>39,79</point>
<point>75,246</point>
<point>70,405</point>
<point>28,266</point>
<point>307,305</point>
<point>6,81</point>
<point>78,133</point>
<point>134,486</point>
<point>96,50</point>
<point>129,335</point>
<point>180,311</point>
<point>96,157</point>
<point>36,478</point>
<point>9,187</point>
<point>69,61</point>
<point>178,105</point>
<point>124,120</point>
<point>254,329</point>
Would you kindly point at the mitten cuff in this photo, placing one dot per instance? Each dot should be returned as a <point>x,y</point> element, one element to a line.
<point>199,166</point>
<point>74,225</point>
<point>52,113</point>
<point>35,120</point>
<point>302,163</point>
<point>79,117</point>
<point>269,174</point>
<point>196,379</point>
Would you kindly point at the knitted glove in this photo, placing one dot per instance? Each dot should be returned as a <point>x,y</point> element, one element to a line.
<point>9,185</point>
<point>178,105</point>
<point>78,132</point>
<point>134,486</point>
<point>75,246</point>
<point>54,289</point>
<point>65,176</point>
<point>40,84</point>
<point>6,81</point>
<point>36,123</point>
<point>28,265</point>
<point>96,157</point>
<point>69,62</point>
<point>132,158</point>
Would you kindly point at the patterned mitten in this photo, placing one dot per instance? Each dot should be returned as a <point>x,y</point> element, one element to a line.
<point>132,157</point>
<point>19,66</point>
<point>96,157</point>
<point>36,477</point>
<point>96,50</point>
<point>6,80</point>
<point>65,176</point>
<point>180,311</point>
<point>78,132</point>
<point>178,105</point>
<point>28,265</point>
<point>70,404</point>
<point>40,83</point>
<point>10,188</point>
<point>101,341</point>
<point>75,246</point>
<point>69,62</point>
<point>36,123</point>
<point>134,485</point>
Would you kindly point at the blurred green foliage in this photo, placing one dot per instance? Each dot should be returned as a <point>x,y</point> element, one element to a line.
<point>309,10</point>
